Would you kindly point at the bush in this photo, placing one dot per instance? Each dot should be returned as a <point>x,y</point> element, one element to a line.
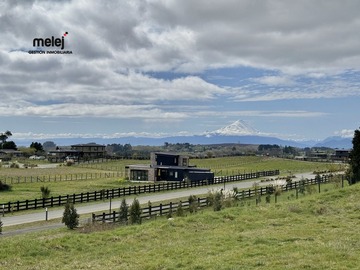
<point>124,210</point>
<point>135,212</point>
<point>336,180</point>
<point>70,216</point>
<point>179,210</point>
<point>45,192</point>
<point>217,203</point>
<point>4,187</point>
<point>15,165</point>
<point>193,203</point>
<point>69,162</point>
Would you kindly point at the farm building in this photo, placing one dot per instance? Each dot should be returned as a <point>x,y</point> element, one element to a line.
<point>167,167</point>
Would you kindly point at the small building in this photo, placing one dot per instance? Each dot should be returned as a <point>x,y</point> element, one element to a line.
<point>78,152</point>
<point>167,167</point>
<point>90,150</point>
<point>60,155</point>
<point>341,155</point>
<point>7,154</point>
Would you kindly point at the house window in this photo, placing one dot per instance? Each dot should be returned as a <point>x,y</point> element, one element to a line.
<point>139,175</point>
<point>176,174</point>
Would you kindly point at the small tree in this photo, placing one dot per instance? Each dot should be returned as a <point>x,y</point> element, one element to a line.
<point>70,216</point>
<point>45,192</point>
<point>135,212</point>
<point>124,210</point>
<point>179,210</point>
<point>193,203</point>
<point>217,202</point>
<point>353,174</point>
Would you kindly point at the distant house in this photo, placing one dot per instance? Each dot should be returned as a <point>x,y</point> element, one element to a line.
<point>167,167</point>
<point>341,155</point>
<point>60,155</point>
<point>90,150</point>
<point>78,152</point>
<point>7,154</point>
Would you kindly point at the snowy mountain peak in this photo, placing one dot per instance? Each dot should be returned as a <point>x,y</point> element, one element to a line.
<point>239,127</point>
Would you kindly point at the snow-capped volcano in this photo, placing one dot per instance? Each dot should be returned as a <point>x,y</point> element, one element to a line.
<point>237,128</point>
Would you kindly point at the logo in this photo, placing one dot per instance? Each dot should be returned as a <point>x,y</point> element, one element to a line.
<point>50,42</point>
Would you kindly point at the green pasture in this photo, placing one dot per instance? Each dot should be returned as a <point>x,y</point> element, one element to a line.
<point>221,166</point>
<point>316,231</point>
<point>235,165</point>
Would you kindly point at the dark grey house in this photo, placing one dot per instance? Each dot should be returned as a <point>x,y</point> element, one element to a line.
<point>168,167</point>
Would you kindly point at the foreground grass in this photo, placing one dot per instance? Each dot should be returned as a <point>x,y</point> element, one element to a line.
<point>314,232</point>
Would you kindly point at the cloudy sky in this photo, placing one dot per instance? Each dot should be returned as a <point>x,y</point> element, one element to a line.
<point>160,67</point>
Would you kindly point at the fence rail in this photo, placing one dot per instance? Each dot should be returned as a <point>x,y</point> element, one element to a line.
<point>60,177</point>
<point>163,209</point>
<point>125,191</point>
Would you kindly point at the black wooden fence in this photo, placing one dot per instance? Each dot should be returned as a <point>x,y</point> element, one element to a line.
<point>164,209</point>
<point>125,191</point>
<point>151,211</point>
<point>61,177</point>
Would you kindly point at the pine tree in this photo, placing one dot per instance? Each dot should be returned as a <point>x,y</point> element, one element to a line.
<point>353,175</point>
<point>124,210</point>
<point>70,216</point>
<point>135,212</point>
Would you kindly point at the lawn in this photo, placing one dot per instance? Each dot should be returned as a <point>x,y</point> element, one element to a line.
<point>317,231</point>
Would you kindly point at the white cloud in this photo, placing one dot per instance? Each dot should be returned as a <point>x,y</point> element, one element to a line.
<point>345,133</point>
<point>308,45</point>
<point>275,80</point>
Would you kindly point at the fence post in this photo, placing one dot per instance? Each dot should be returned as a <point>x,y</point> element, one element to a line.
<point>160,209</point>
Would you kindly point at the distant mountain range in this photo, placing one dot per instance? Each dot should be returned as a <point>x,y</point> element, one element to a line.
<point>237,132</point>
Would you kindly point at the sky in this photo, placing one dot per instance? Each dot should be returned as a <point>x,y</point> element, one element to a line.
<point>164,67</point>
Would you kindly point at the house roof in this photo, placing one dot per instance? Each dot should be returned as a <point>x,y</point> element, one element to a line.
<point>10,151</point>
<point>87,144</point>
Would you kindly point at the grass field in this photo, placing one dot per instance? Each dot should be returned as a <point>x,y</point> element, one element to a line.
<point>317,231</point>
<point>221,166</point>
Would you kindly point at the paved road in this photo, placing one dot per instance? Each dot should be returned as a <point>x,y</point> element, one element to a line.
<point>10,220</point>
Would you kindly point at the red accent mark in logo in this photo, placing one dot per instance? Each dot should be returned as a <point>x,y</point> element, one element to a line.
<point>65,34</point>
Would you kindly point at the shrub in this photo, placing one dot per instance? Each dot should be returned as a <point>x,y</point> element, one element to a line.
<point>124,210</point>
<point>15,165</point>
<point>70,216</point>
<point>135,212</point>
<point>310,189</point>
<point>69,162</point>
<point>193,203</point>
<point>179,210</point>
<point>45,192</point>
<point>336,180</point>
<point>302,186</point>
<point>4,187</point>
<point>169,214</point>
<point>217,203</point>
